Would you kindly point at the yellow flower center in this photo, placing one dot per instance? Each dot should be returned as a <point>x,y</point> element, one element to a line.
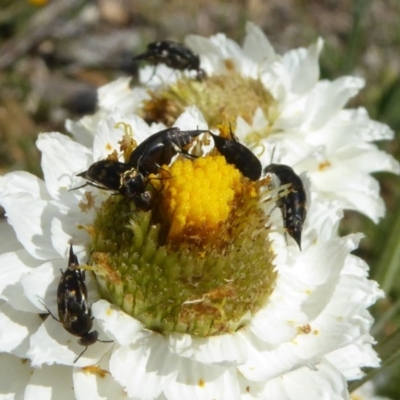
<point>199,196</point>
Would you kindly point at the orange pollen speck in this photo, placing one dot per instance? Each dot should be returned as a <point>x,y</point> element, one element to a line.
<point>94,369</point>
<point>305,329</point>
<point>324,165</point>
<point>109,147</point>
<point>202,383</point>
<point>199,195</point>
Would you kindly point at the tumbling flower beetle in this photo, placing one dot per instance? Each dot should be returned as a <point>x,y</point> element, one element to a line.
<point>74,313</point>
<point>173,54</point>
<point>119,177</point>
<point>293,205</point>
<point>239,155</point>
<point>105,174</point>
<point>160,148</point>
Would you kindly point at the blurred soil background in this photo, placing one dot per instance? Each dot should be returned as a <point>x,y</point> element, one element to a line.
<point>55,53</point>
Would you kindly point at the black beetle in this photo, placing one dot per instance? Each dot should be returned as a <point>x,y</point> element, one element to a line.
<point>74,312</point>
<point>160,148</point>
<point>239,155</point>
<point>105,174</point>
<point>293,205</point>
<point>119,177</point>
<point>173,54</point>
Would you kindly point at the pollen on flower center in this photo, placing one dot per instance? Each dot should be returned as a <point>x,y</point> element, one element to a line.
<point>199,196</point>
<point>229,94</point>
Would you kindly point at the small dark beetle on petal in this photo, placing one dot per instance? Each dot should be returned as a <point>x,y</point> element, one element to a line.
<point>173,54</point>
<point>293,205</point>
<point>105,174</point>
<point>118,177</point>
<point>74,312</point>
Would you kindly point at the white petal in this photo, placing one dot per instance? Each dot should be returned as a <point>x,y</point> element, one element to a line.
<point>367,158</point>
<point>66,228</point>
<point>221,350</point>
<point>256,45</point>
<point>327,99</point>
<point>108,135</point>
<point>210,53</point>
<point>14,375</point>
<point>327,260</point>
<point>96,383</point>
<point>24,197</point>
<point>200,382</point>
<point>364,127</point>
<point>304,384</point>
<point>11,288</point>
<point>40,285</point>
<point>277,81</point>
<point>145,367</point>
<point>15,329</point>
<point>282,312</point>
<point>8,239</point>
<point>62,158</point>
<point>117,94</point>
<point>323,217</point>
<point>111,130</point>
<point>12,266</point>
<point>266,362</point>
<point>50,383</point>
<point>303,67</point>
<point>250,390</point>
<point>327,334</point>
<point>368,204</point>
<point>358,191</point>
<point>227,48</point>
<point>351,127</point>
<point>356,266</point>
<point>140,128</point>
<point>353,295</point>
<point>120,326</point>
<point>83,130</point>
<point>351,358</point>
<point>191,118</point>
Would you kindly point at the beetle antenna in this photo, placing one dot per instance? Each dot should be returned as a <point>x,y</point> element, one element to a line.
<point>272,154</point>
<point>81,353</point>
<point>44,305</point>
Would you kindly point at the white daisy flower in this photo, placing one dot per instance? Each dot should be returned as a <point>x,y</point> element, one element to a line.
<point>204,295</point>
